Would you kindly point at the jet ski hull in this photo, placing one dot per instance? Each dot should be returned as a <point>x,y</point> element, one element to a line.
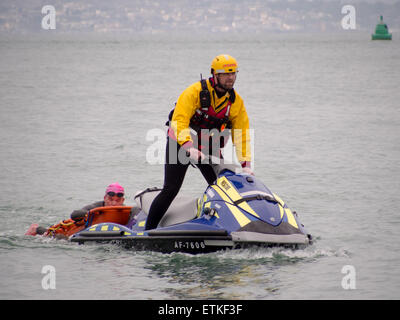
<point>192,241</point>
<point>189,241</point>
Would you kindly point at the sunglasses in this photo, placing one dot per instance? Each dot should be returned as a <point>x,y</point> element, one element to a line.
<point>112,194</point>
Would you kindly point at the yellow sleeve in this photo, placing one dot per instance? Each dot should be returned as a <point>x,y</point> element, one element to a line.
<point>185,108</point>
<point>240,130</point>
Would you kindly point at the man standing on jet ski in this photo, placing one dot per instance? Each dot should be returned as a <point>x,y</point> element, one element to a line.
<point>207,106</point>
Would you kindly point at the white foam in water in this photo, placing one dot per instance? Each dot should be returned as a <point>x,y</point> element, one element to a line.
<point>281,254</point>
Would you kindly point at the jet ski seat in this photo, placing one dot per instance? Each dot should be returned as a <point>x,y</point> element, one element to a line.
<point>183,208</point>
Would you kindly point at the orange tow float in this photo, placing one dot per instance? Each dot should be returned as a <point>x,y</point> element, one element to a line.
<point>68,227</point>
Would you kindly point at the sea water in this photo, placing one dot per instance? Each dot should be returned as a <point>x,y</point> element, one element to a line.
<point>80,112</point>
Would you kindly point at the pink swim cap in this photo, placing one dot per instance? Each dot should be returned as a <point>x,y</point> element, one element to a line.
<point>32,230</point>
<point>115,187</point>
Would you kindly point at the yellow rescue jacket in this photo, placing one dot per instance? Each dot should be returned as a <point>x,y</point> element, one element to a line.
<point>189,102</point>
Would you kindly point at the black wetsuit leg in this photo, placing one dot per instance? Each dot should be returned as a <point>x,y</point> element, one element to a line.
<point>174,174</point>
<point>173,179</point>
<point>208,172</point>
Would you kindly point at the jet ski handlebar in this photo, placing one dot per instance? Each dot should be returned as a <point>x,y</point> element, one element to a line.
<point>267,197</point>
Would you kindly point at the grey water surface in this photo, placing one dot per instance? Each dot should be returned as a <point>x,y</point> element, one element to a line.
<point>79,112</point>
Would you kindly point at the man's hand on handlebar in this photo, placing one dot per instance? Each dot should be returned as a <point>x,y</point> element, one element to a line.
<point>195,154</point>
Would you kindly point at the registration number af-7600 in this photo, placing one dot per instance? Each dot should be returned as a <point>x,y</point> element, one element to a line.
<point>189,245</point>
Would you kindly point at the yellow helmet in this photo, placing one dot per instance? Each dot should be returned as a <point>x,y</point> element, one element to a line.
<point>224,63</point>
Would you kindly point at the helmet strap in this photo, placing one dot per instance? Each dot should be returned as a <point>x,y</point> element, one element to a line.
<point>220,90</point>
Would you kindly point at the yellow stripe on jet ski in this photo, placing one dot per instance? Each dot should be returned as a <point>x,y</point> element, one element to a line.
<point>230,190</point>
<point>239,216</point>
<point>281,210</point>
<point>199,204</point>
<point>291,218</point>
<point>280,204</point>
<point>279,200</point>
<point>289,214</point>
<point>104,228</point>
<point>142,223</point>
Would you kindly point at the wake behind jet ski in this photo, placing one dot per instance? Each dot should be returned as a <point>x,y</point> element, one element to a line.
<point>236,211</point>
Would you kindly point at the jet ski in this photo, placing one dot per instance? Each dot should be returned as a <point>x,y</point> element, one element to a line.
<point>237,211</point>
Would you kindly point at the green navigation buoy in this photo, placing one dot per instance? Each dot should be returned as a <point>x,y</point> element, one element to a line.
<point>381,31</point>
